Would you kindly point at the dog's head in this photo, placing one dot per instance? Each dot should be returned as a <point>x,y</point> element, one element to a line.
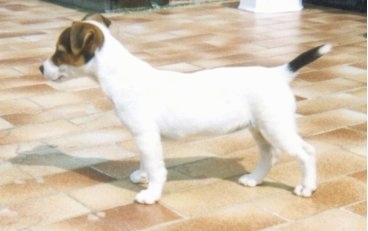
<point>75,48</point>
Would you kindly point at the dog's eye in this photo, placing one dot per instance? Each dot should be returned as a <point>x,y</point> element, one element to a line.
<point>58,57</point>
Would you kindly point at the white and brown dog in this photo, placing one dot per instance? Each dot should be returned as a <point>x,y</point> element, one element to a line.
<point>154,103</point>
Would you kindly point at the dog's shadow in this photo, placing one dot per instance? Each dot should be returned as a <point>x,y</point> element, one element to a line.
<point>48,155</point>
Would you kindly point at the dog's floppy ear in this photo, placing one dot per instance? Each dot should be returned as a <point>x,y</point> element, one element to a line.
<point>98,18</point>
<point>85,39</point>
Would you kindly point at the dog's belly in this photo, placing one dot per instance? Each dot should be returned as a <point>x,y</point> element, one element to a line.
<point>203,117</point>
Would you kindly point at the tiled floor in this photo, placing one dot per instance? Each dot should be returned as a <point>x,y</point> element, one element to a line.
<point>65,159</point>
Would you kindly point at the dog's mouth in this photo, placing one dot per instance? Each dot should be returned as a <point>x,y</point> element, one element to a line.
<point>60,78</point>
<point>56,78</point>
<point>51,72</point>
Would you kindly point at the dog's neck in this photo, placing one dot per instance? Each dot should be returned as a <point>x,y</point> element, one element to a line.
<point>114,64</point>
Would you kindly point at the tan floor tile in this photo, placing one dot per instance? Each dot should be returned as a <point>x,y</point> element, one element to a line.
<point>214,196</point>
<point>135,216</point>
<point>330,220</point>
<point>93,95</point>
<point>27,80</point>
<point>130,145</point>
<point>182,154</point>
<point>222,61</point>
<point>362,176</point>
<point>330,164</point>
<point>359,208</point>
<point>97,121</point>
<point>77,178</point>
<point>317,75</point>
<point>44,210</point>
<point>32,67</point>
<point>346,138</point>
<point>329,102</point>
<point>289,206</point>
<point>340,192</point>
<point>7,72</point>
<point>10,151</point>
<point>299,83</point>
<point>225,144</point>
<point>43,160</point>
<point>23,189</point>
<point>347,71</point>
<point>89,222</point>
<point>11,174</point>
<point>18,106</point>
<point>128,217</point>
<point>57,99</point>
<point>326,87</point>
<point>19,34</point>
<point>102,103</point>
<point>91,138</point>
<point>118,169</point>
<point>238,217</point>
<point>75,85</point>
<point>26,91</point>
<point>175,153</point>
<point>101,153</point>
<point>106,195</point>
<point>360,64</point>
<point>4,124</point>
<point>231,165</point>
<point>178,182</point>
<point>340,58</point>
<point>39,131</point>
<point>181,67</point>
<point>360,92</point>
<point>336,163</point>
<point>320,147</point>
<point>360,75</point>
<point>56,113</point>
<point>362,109</point>
<point>41,170</point>
<point>328,121</point>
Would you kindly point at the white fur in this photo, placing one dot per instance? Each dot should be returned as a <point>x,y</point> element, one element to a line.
<point>154,103</point>
<point>325,49</point>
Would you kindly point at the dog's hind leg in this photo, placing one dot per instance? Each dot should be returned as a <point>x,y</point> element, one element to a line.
<point>152,167</point>
<point>307,157</point>
<point>288,141</point>
<point>266,158</point>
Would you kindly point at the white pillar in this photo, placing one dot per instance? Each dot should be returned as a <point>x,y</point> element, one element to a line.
<point>271,6</point>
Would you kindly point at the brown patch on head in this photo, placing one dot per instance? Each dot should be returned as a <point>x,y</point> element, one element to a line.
<point>77,44</point>
<point>98,18</point>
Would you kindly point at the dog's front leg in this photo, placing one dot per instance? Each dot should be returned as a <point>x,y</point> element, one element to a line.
<point>152,167</point>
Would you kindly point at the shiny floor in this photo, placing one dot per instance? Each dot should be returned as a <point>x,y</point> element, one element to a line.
<point>65,159</point>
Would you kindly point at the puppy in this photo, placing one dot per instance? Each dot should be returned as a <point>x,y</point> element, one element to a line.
<point>154,103</point>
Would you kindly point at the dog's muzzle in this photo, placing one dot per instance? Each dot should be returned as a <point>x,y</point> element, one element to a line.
<point>50,71</point>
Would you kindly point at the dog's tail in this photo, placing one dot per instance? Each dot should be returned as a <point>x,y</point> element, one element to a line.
<point>307,57</point>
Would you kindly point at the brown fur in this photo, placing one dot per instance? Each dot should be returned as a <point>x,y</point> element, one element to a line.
<point>98,18</point>
<point>77,44</point>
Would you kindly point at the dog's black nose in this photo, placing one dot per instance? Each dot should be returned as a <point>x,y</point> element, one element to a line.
<point>41,68</point>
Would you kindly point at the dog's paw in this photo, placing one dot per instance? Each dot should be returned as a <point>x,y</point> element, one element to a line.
<point>249,180</point>
<point>147,197</point>
<point>304,191</point>
<point>139,177</point>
